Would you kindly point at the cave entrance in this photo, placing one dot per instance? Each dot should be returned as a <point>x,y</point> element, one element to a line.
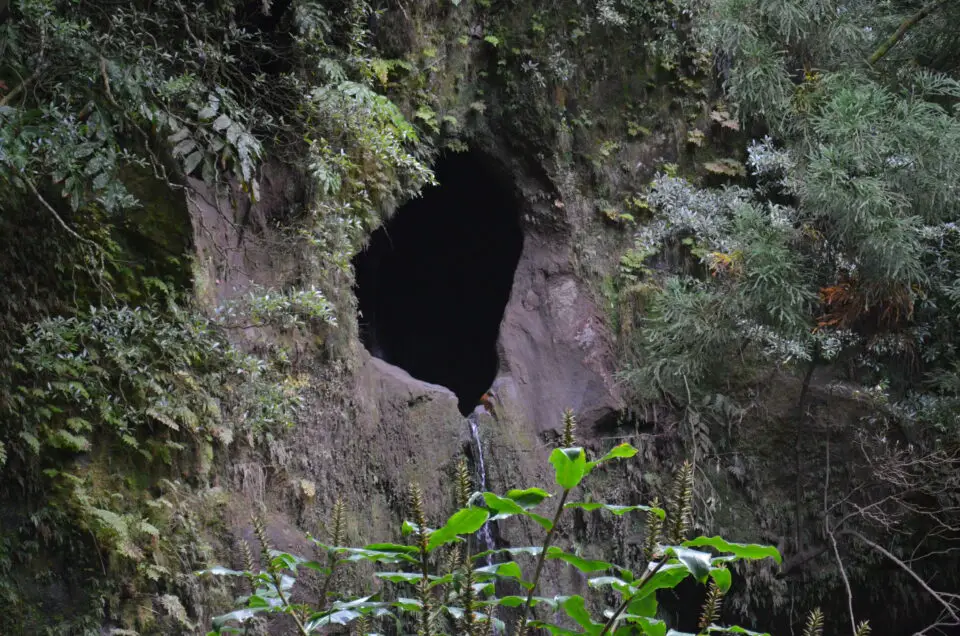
<point>434,281</point>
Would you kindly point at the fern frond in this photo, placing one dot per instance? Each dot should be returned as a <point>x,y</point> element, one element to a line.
<point>681,508</point>
<point>654,531</point>
<point>712,606</point>
<point>569,428</point>
<point>863,629</point>
<point>464,483</point>
<point>814,626</point>
<point>338,535</point>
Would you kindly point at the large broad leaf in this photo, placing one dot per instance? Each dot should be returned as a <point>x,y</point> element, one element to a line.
<point>529,497</point>
<point>391,547</point>
<point>528,550</point>
<point>621,586</point>
<point>569,465</point>
<point>590,506</point>
<point>650,626</point>
<point>220,571</point>
<point>374,556</point>
<point>739,550</point>
<point>400,577</point>
<point>722,577</point>
<point>643,605</point>
<point>555,630</point>
<point>344,612</point>
<point>241,616</point>
<point>465,521</point>
<point>584,565</point>
<point>576,608</point>
<point>617,452</point>
<point>505,507</point>
<point>408,604</point>
<point>508,569</point>
<point>516,601</point>
<point>667,577</point>
<point>697,562</point>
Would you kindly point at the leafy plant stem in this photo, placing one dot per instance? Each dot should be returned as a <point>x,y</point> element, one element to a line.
<point>626,602</point>
<point>275,578</point>
<point>543,554</point>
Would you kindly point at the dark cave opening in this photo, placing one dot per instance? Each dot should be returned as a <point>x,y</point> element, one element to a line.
<point>433,283</point>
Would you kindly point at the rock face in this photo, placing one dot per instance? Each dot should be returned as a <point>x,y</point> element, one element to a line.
<point>554,349</point>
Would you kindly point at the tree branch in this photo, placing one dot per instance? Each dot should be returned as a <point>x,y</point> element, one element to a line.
<point>898,35</point>
<point>833,542</point>
<point>51,210</point>
<point>20,87</point>
<point>951,610</point>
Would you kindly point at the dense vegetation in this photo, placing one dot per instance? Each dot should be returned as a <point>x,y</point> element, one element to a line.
<point>799,239</point>
<point>832,254</point>
<point>456,592</point>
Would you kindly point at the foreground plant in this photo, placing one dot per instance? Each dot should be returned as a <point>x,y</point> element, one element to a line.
<point>455,592</point>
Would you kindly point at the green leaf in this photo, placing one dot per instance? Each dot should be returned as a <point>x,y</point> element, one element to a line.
<point>241,616</point>
<point>643,606</point>
<point>621,586</point>
<point>739,550</point>
<point>584,565</point>
<point>590,506</point>
<point>529,497</point>
<point>506,507</point>
<point>374,556</point>
<point>66,440</point>
<point>667,577</point>
<point>617,452</point>
<point>528,550</point>
<point>697,562</point>
<point>465,521</point>
<point>220,571</point>
<point>507,569</point>
<point>408,604</point>
<point>575,608</point>
<point>650,626</point>
<point>555,630</point>
<point>399,577</point>
<point>392,547</point>
<point>570,465</point>
<point>722,577</point>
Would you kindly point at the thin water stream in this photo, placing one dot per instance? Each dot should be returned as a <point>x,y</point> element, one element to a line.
<point>485,535</point>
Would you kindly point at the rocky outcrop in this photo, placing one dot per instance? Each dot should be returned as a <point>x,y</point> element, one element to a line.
<point>554,347</point>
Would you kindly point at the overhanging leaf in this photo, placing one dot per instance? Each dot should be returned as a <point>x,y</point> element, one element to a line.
<point>739,550</point>
<point>505,507</point>
<point>621,451</point>
<point>584,565</point>
<point>722,577</point>
<point>465,521</point>
<point>697,562</point>
<point>570,465</point>
<point>590,506</point>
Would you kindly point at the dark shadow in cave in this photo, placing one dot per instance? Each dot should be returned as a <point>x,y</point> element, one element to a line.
<point>433,283</point>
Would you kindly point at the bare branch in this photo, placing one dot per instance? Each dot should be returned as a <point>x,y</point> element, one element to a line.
<point>833,542</point>
<point>899,34</point>
<point>939,597</point>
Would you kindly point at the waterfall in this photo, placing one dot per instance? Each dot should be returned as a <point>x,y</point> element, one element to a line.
<point>486,537</point>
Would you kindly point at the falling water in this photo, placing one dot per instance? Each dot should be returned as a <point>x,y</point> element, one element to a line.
<point>485,535</point>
